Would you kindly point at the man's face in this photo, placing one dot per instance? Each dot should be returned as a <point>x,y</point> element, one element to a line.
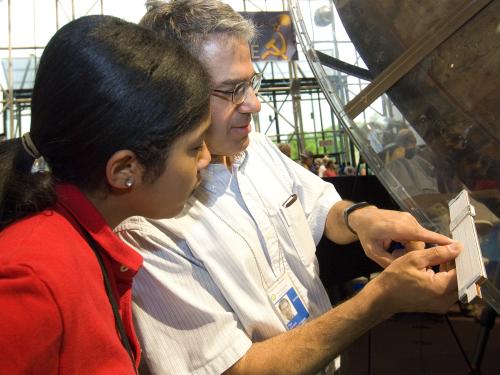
<point>228,63</point>
<point>286,309</point>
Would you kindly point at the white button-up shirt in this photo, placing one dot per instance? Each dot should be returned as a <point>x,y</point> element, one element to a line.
<point>200,299</point>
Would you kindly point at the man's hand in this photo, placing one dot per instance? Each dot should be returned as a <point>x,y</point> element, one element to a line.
<point>376,229</point>
<point>406,285</point>
<point>410,285</point>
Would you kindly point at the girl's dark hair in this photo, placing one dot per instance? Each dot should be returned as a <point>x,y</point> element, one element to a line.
<point>102,85</point>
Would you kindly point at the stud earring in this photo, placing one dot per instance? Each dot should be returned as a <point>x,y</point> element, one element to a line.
<point>129,182</point>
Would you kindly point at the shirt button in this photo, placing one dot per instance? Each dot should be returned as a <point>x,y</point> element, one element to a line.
<point>123,269</point>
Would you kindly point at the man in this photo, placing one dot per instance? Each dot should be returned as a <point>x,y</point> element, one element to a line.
<point>286,309</point>
<point>406,139</point>
<point>412,171</point>
<point>307,160</point>
<point>206,300</point>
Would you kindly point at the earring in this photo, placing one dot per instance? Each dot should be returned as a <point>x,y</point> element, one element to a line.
<point>129,182</point>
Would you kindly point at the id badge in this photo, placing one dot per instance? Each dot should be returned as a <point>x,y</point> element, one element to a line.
<point>287,302</point>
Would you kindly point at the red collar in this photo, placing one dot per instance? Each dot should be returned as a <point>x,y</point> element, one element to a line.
<point>72,200</point>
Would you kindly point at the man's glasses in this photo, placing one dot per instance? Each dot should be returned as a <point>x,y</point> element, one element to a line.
<point>240,92</point>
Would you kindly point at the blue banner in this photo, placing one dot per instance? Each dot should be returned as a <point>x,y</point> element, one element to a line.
<point>275,36</point>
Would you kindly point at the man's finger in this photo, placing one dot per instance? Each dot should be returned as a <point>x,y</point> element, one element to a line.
<point>414,245</point>
<point>403,233</point>
<point>448,280</point>
<point>436,255</point>
<point>379,255</point>
<point>431,237</point>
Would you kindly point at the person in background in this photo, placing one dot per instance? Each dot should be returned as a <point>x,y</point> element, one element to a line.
<point>207,299</point>
<point>362,169</point>
<point>285,149</point>
<point>412,171</point>
<point>117,129</point>
<point>307,161</point>
<point>331,170</point>
<point>405,146</point>
<point>349,170</point>
<point>321,164</point>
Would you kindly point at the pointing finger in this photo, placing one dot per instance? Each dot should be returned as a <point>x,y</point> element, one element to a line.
<point>431,237</point>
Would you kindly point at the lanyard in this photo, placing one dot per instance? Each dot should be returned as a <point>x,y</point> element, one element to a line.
<point>109,291</point>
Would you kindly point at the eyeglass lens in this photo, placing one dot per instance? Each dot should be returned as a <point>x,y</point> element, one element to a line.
<point>241,91</point>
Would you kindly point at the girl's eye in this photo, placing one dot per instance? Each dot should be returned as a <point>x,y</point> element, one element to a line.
<point>199,148</point>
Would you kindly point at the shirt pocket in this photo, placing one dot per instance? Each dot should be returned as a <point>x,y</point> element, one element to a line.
<point>299,231</point>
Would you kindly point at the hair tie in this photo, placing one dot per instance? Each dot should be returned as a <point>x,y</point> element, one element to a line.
<point>29,146</point>
<point>39,164</point>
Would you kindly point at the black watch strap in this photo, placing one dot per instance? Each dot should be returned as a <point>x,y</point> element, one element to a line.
<point>350,209</point>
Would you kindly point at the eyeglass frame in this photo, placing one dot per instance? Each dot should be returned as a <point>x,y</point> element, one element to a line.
<point>254,83</point>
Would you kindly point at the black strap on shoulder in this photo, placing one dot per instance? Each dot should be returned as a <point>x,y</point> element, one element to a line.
<point>112,300</point>
<point>109,291</point>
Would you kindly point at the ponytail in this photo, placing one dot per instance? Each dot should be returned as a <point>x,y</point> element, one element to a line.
<point>21,192</point>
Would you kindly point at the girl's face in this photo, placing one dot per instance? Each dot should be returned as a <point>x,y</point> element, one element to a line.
<point>166,196</point>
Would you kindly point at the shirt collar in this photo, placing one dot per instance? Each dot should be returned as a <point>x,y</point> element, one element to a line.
<point>72,200</point>
<point>239,159</point>
<point>216,177</point>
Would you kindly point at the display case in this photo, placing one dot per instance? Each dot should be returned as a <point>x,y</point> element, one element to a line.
<point>415,85</point>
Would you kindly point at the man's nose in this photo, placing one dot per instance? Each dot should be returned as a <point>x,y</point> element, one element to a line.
<point>251,103</point>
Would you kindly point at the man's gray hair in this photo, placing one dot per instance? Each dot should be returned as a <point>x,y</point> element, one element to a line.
<point>191,22</point>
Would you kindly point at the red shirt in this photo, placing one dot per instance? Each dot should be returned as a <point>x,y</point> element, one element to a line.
<point>55,315</point>
<point>329,173</point>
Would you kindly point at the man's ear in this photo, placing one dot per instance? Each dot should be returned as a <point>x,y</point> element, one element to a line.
<point>123,170</point>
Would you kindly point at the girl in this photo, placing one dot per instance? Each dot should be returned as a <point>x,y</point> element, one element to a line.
<point>118,123</point>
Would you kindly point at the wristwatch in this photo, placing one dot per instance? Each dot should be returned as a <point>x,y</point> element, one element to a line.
<point>350,209</point>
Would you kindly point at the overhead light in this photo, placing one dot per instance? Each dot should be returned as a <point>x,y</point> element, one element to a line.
<point>323,16</point>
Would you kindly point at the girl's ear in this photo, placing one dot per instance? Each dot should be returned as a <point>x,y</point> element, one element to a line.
<point>123,170</point>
